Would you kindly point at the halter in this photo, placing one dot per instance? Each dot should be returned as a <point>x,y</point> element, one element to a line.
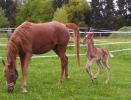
<point>10,84</point>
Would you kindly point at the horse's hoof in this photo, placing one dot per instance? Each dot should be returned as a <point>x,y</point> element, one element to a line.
<point>24,91</point>
<point>94,77</point>
<point>60,82</point>
<point>68,77</point>
<point>106,82</point>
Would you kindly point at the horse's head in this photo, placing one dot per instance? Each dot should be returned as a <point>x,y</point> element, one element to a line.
<point>88,38</point>
<point>10,74</point>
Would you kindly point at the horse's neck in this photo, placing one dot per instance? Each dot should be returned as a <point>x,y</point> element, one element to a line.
<point>91,49</point>
<point>11,54</point>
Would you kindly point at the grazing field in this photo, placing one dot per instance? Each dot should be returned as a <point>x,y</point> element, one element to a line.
<point>44,73</point>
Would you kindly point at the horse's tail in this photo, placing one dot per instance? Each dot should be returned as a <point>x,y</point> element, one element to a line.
<point>76,39</point>
<point>111,55</point>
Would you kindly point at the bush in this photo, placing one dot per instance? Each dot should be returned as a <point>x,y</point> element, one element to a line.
<point>3,20</point>
<point>61,15</point>
<point>35,11</point>
<point>123,35</point>
<point>73,12</point>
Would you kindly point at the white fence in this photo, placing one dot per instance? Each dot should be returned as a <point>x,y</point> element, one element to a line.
<point>107,43</point>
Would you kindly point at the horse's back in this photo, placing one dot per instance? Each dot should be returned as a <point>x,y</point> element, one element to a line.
<point>42,37</point>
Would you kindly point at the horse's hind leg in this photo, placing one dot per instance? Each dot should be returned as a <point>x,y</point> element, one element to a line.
<point>66,69</point>
<point>60,51</point>
<point>25,58</point>
<point>106,63</point>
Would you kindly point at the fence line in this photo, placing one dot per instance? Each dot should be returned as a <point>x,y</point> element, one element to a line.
<point>128,49</point>
<point>116,32</point>
<point>81,32</point>
<point>84,45</point>
<point>3,45</point>
<point>100,40</point>
<point>95,44</point>
<point>71,55</point>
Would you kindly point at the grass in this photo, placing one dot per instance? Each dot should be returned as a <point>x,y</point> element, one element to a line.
<point>43,76</point>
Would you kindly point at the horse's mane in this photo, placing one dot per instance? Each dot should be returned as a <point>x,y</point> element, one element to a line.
<point>11,52</point>
<point>17,41</point>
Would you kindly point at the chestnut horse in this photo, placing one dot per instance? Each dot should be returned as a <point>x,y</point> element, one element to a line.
<point>96,55</point>
<point>30,38</point>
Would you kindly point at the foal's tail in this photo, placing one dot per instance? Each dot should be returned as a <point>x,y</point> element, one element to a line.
<point>76,39</point>
<point>111,55</point>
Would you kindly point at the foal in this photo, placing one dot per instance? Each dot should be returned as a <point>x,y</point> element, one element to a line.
<point>96,55</point>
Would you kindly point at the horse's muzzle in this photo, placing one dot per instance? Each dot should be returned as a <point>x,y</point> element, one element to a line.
<point>10,87</point>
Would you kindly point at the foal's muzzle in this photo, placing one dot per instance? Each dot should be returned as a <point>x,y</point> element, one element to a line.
<point>10,87</point>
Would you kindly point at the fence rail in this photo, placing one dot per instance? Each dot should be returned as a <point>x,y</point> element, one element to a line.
<point>71,55</point>
<point>107,43</point>
<point>81,32</point>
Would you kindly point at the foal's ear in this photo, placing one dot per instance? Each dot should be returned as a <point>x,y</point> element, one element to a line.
<point>3,62</point>
<point>91,35</point>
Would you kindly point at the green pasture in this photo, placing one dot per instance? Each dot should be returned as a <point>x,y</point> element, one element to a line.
<point>44,74</point>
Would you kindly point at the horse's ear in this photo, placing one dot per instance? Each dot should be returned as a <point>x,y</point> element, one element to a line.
<point>92,35</point>
<point>3,62</point>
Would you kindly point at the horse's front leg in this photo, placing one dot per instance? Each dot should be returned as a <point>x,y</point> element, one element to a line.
<point>88,68</point>
<point>24,62</point>
<point>99,70</point>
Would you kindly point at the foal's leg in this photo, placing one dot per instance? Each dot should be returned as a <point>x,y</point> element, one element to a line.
<point>89,68</point>
<point>106,63</point>
<point>24,62</point>
<point>99,69</point>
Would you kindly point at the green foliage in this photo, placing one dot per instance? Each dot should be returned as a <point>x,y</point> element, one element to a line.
<point>61,15</point>
<point>123,35</point>
<point>125,28</point>
<point>59,3</point>
<point>3,20</point>
<point>38,11</point>
<point>76,10</point>
<point>9,7</point>
<point>35,11</point>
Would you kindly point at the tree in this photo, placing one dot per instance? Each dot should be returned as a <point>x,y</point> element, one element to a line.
<point>109,14</point>
<point>2,4</point>
<point>35,11</point>
<point>59,3</point>
<point>10,10</point>
<point>121,7</point>
<point>61,15</point>
<point>76,11</point>
<point>9,7</point>
<point>103,14</point>
<point>96,15</point>
<point>3,20</point>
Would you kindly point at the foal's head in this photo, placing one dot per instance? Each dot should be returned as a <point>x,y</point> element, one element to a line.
<point>88,38</point>
<point>10,74</point>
